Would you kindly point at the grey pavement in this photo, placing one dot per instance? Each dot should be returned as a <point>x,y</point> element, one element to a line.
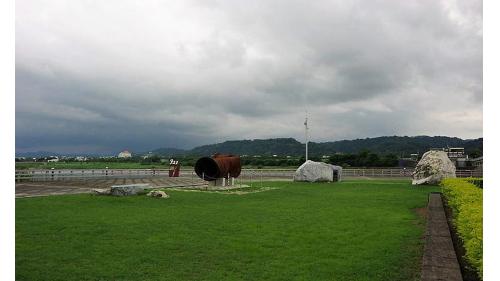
<point>45,188</point>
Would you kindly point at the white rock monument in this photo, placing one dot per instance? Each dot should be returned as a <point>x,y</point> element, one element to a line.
<point>433,167</point>
<point>312,171</point>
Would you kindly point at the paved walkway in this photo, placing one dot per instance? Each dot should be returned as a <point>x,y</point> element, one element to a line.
<point>440,260</point>
<point>45,188</point>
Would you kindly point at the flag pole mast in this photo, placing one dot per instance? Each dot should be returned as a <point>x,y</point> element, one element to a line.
<point>307,137</point>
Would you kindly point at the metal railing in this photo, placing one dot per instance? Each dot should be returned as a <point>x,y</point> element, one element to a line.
<point>469,173</point>
<point>378,172</point>
<point>79,174</point>
<point>87,174</point>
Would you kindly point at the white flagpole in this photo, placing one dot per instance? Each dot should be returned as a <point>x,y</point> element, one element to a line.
<point>307,137</point>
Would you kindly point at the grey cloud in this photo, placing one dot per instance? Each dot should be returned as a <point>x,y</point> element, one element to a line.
<point>105,75</point>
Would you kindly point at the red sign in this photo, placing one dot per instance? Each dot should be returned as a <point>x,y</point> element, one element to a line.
<point>175,168</point>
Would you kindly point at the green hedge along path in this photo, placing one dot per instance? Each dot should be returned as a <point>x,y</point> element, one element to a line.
<point>466,201</point>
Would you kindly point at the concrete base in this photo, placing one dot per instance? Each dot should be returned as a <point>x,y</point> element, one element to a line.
<point>222,182</point>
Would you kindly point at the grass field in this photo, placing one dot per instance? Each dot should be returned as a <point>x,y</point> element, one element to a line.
<point>354,230</point>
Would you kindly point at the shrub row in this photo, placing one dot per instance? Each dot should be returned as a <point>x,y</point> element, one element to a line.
<point>476,181</point>
<point>466,202</point>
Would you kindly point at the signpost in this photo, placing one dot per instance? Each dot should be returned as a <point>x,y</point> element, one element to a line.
<point>175,168</point>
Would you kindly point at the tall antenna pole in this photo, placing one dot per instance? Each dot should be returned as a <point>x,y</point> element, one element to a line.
<point>307,136</point>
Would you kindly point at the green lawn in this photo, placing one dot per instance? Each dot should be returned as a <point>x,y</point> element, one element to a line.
<point>355,230</point>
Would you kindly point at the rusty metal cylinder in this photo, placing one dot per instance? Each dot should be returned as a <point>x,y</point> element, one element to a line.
<point>218,166</point>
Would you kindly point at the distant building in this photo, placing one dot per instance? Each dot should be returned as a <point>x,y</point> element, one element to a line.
<point>469,163</point>
<point>477,162</point>
<point>461,160</point>
<point>124,154</point>
<point>458,157</point>
<point>409,162</point>
<point>453,152</point>
<point>53,159</point>
<point>456,152</point>
<point>107,157</point>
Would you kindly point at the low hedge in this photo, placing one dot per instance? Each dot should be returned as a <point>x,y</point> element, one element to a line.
<point>476,181</point>
<point>466,201</point>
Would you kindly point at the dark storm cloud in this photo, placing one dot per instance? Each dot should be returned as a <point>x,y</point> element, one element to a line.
<point>105,76</point>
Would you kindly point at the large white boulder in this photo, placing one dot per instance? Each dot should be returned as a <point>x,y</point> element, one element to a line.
<point>433,167</point>
<point>312,171</point>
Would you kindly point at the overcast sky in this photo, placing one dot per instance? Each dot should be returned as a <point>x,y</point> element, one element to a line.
<point>103,76</point>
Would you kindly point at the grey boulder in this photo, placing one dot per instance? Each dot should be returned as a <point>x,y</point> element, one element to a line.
<point>101,191</point>
<point>312,171</point>
<point>433,167</point>
<point>128,189</point>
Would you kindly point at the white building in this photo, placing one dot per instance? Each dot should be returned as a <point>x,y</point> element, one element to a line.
<point>53,159</point>
<point>124,154</point>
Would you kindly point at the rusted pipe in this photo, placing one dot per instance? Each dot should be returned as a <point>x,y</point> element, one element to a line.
<point>218,166</point>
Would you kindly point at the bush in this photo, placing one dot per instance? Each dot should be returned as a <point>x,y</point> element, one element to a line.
<point>476,181</point>
<point>466,201</point>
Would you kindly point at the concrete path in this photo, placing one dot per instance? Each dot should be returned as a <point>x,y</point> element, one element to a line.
<point>45,188</point>
<point>439,261</point>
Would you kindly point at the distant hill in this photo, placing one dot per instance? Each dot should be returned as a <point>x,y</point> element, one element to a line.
<point>280,146</point>
<point>401,146</point>
<point>40,154</point>
<point>36,154</point>
<point>169,151</point>
<point>382,145</point>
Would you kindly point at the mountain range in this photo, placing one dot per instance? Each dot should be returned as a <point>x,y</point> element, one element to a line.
<point>399,145</point>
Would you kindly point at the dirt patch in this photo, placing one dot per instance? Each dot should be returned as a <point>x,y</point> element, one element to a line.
<point>421,212</point>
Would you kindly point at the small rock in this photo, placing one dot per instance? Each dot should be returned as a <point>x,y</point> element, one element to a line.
<point>158,194</point>
<point>101,191</point>
<point>128,189</point>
